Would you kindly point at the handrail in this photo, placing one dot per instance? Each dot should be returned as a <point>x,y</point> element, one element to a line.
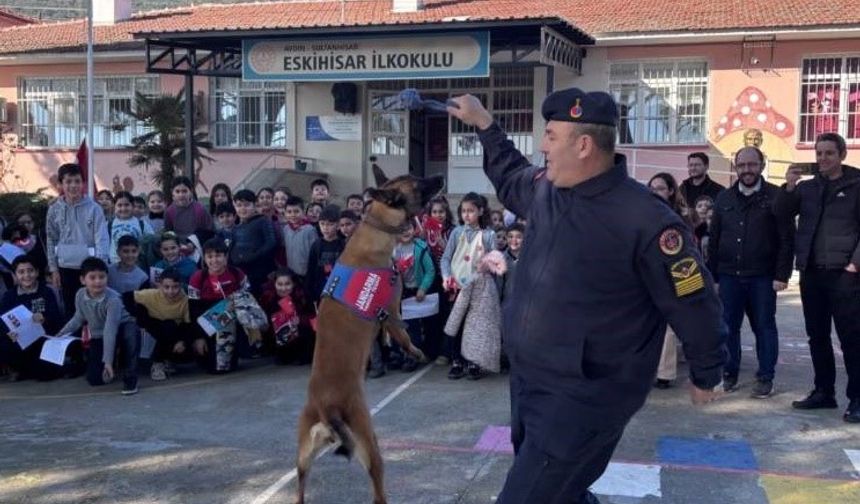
<point>273,158</point>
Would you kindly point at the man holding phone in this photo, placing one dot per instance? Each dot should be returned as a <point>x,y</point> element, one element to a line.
<point>827,251</point>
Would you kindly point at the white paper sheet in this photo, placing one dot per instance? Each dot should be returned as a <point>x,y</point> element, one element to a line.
<point>20,321</point>
<point>54,349</point>
<point>411,309</point>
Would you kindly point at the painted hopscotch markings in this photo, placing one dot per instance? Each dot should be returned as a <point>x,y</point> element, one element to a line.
<point>706,452</point>
<point>620,479</point>
<point>787,490</point>
<point>854,457</point>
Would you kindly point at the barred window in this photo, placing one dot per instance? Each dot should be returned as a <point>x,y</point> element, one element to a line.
<point>53,110</point>
<point>830,97</point>
<point>251,114</point>
<point>660,102</point>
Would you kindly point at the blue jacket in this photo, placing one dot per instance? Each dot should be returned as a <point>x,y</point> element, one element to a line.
<point>425,271</point>
<point>605,265</point>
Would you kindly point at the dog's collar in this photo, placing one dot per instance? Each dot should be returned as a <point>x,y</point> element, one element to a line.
<point>375,223</point>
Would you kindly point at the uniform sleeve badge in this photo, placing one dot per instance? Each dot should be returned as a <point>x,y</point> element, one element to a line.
<point>687,277</point>
<point>671,242</point>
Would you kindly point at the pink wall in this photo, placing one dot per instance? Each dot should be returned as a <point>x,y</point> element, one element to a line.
<point>728,83</point>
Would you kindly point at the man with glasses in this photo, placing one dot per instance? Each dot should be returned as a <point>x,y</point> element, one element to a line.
<point>750,252</point>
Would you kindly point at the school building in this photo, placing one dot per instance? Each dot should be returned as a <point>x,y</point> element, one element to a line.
<point>291,89</point>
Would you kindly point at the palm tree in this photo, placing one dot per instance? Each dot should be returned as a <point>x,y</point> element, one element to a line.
<point>163,145</point>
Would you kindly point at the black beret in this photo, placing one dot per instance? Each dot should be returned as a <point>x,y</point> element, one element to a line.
<point>577,106</point>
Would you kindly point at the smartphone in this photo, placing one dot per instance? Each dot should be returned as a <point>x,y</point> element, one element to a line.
<point>804,168</point>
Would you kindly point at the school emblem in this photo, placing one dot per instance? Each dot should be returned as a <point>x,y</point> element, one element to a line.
<point>576,110</point>
<point>671,242</point>
<point>687,277</point>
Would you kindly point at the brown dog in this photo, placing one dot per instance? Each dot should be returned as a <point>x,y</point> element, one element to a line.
<point>336,410</point>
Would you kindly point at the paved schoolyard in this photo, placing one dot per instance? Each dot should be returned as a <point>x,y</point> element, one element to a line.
<point>231,439</point>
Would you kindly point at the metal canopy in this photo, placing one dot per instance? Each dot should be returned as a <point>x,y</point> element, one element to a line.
<point>219,53</point>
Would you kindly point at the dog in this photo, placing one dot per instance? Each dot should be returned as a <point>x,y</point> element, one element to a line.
<point>336,411</point>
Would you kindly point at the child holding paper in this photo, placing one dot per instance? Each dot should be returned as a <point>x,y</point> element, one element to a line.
<point>101,308</point>
<point>34,295</point>
<point>415,264</point>
<point>290,318</point>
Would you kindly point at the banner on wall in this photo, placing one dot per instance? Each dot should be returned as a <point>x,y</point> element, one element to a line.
<point>345,128</point>
<point>430,56</point>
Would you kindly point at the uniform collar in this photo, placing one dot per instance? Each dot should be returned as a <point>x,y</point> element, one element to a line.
<point>605,181</point>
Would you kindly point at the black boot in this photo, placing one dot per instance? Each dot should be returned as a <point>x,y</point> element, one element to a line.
<point>852,414</point>
<point>817,399</point>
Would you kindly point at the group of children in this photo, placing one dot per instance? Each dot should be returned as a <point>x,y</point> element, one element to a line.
<point>176,283</point>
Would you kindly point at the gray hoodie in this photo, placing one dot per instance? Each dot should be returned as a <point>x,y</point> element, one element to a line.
<point>75,232</point>
<point>103,315</point>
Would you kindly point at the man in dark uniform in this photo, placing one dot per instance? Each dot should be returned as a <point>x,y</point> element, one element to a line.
<point>605,265</point>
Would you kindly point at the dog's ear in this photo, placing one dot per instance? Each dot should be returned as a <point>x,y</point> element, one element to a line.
<point>379,175</point>
<point>389,197</point>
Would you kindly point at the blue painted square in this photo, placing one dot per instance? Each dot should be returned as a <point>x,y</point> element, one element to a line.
<point>706,452</point>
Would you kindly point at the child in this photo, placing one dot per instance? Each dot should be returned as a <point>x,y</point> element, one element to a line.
<point>156,211</point>
<point>105,201</point>
<point>412,258</point>
<point>347,224</point>
<point>185,215</point>
<point>355,203</point>
<point>101,308</point>
<point>125,223</point>
<point>497,219</point>
<point>313,212</point>
<point>31,240</point>
<point>467,243</point>
<point>172,258</point>
<point>253,247</point>
<point>324,252</point>
<point>20,236</point>
<point>299,236</point>
<point>33,294</point>
<point>219,195</point>
<point>512,255</point>
<point>139,210</point>
<point>279,202</point>
<point>501,238</point>
<point>436,226</point>
<point>226,215</point>
<point>290,318</point>
<point>319,192</point>
<point>265,202</point>
<point>216,282</point>
<point>163,313</point>
<point>125,275</point>
<point>76,229</point>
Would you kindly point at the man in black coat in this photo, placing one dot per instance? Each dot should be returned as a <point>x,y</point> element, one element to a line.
<point>750,253</point>
<point>699,183</point>
<point>605,265</point>
<point>827,251</point>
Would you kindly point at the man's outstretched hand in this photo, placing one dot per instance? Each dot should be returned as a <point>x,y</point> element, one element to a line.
<point>471,111</point>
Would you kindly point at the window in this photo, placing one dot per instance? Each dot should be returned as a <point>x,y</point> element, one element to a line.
<point>830,98</point>
<point>251,114</point>
<point>53,111</point>
<point>660,102</point>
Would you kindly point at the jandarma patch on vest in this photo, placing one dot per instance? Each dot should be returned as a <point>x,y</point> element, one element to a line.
<point>671,242</point>
<point>687,277</point>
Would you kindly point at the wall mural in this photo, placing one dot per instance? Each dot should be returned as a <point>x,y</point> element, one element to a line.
<point>751,120</point>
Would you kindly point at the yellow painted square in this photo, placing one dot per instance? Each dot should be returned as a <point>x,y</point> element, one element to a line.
<point>786,490</point>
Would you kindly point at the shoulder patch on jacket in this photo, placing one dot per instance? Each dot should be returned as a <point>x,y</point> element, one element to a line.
<point>686,277</point>
<point>671,241</point>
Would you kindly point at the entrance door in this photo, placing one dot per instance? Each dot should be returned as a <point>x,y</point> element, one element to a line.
<point>389,135</point>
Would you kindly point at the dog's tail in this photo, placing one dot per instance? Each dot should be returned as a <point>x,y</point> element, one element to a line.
<point>344,436</point>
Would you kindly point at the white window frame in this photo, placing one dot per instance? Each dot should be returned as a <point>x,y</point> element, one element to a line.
<point>247,89</point>
<point>845,81</point>
<point>107,132</point>
<point>674,82</point>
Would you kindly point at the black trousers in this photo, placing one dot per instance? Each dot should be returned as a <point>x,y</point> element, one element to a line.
<point>71,282</point>
<point>537,476</point>
<point>167,334</point>
<point>832,297</point>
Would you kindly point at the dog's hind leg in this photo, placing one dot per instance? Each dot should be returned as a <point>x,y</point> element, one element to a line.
<point>366,449</point>
<point>313,436</point>
<point>395,329</point>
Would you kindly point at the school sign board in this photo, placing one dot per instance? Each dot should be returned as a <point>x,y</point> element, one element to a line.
<point>429,56</point>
